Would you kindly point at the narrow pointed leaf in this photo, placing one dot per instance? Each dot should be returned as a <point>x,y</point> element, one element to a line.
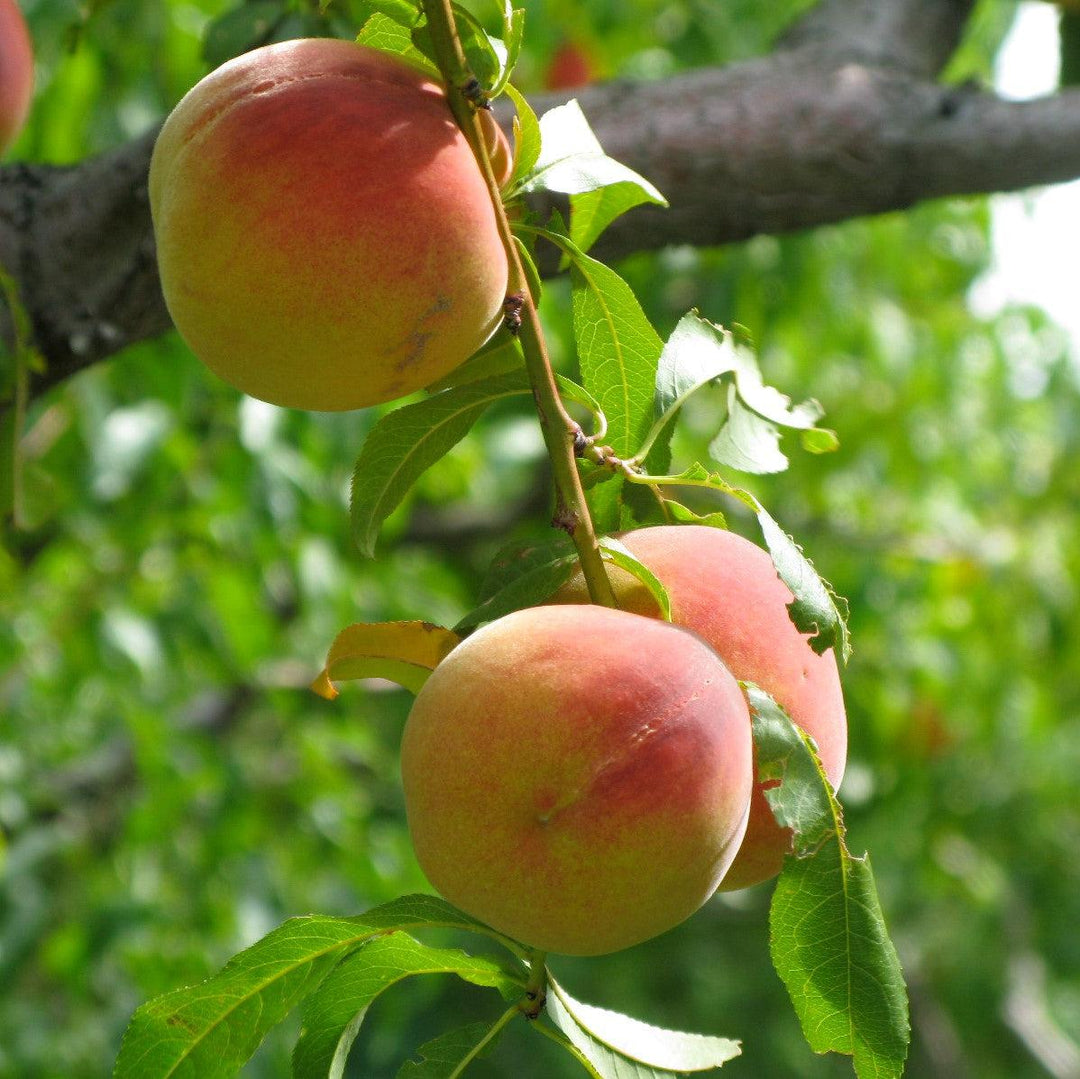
<point>816,609</point>
<point>513,20</point>
<point>403,652</point>
<point>209,1031</point>
<point>619,1047</point>
<point>332,1016</point>
<point>612,550</point>
<point>448,1055</point>
<point>592,211</point>
<point>618,350</point>
<point>406,442</point>
<point>522,577</point>
<point>828,938</point>
<point>526,135</point>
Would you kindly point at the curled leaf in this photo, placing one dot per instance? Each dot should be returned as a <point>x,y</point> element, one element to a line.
<point>403,652</point>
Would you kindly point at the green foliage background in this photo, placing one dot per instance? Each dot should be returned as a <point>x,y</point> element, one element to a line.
<point>169,791</point>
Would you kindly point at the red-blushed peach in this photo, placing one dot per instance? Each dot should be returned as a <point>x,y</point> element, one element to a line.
<point>578,777</point>
<point>725,588</point>
<point>324,234</point>
<point>569,68</point>
<point>16,72</point>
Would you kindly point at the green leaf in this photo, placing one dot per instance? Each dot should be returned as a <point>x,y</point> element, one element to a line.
<point>485,55</point>
<point>208,1031</point>
<point>592,211</point>
<point>746,442</point>
<point>513,20</point>
<point>618,350</point>
<point>820,440</point>
<point>816,609</point>
<point>403,12</point>
<point>697,353</point>
<point>616,552</point>
<point>333,1015</point>
<point>448,1055</point>
<point>572,160</point>
<point>522,577</point>
<point>501,355</point>
<point>406,442</point>
<point>532,273</point>
<point>828,938</point>
<point>606,500</point>
<point>685,515</point>
<point>382,31</point>
<point>526,136</point>
<point>619,1047</point>
<point>241,29</point>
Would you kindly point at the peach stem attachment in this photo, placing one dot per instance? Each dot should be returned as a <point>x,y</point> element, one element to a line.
<point>535,995</point>
<point>559,430</point>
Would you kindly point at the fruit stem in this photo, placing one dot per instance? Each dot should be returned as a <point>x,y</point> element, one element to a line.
<point>559,429</point>
<point>532,1002</point>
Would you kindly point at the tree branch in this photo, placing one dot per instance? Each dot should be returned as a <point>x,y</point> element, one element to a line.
<point>842,120</point>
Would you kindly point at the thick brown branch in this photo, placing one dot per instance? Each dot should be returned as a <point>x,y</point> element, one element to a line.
<point>844,119</point>
<point>916,36</point>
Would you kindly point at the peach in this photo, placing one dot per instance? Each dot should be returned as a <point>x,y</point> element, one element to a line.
<point>16,72</point>
<point>324,234</point>
<point>725,588</point>
<point>569,68</point>
<point>569,794</point>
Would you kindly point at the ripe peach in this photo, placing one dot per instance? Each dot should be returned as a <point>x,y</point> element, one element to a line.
<point>324,234</point>
<point>725,588</point>
<point>578,777</point>
<point>16,72</point>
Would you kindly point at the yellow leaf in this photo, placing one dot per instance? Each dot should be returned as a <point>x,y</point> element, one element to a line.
<point>403,652</point>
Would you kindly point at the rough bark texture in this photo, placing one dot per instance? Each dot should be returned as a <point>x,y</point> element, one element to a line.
<point>844,118</point>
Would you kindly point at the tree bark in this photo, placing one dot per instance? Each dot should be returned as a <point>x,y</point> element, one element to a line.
<point>846,117</point>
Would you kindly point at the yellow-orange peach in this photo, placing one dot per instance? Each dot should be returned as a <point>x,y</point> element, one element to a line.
<point>725,588</point>
<point>578,777</point>
<point>16,72</point>
<point>324,234</point>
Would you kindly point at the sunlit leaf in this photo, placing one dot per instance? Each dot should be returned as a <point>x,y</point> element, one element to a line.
<point>526,135</point>
<point>387,34</point>
<point>572,160</point>
<point>746,442</point>
<point>403,652</point>
<point>513,29</point>
<point>592,211</point>
<point>619,1047</point>
<point>617,350</point>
